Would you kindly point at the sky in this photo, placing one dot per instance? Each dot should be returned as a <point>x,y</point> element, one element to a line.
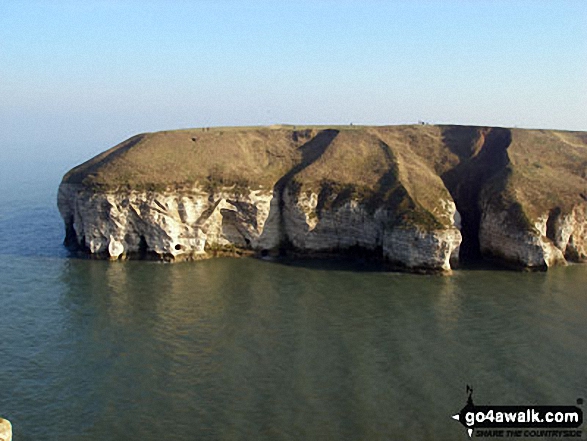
<point>77,77</point>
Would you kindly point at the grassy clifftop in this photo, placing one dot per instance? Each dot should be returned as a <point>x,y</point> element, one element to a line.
<point>176,158</point>
<point>548,169</point>
<point>408,168</point>
<point>260,154</point>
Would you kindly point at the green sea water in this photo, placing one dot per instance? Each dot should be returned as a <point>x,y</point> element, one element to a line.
<point>244,349</point>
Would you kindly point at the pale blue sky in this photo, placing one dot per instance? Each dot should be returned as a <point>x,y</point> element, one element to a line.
<point>79,76</point>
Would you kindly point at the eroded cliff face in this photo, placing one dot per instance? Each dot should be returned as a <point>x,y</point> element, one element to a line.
<point>171,225</point>
<point>415,198</point>
<point>553,239</point>
<point>352,227</point>
<point>195,224</point>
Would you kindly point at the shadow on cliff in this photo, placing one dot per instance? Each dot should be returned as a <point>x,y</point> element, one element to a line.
<point>311,151</point>
<point>389,191</point>
<point>482,155</point>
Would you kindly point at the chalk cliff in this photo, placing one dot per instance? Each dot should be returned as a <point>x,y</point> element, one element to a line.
<point>5,430</point>
<point>405,195</point>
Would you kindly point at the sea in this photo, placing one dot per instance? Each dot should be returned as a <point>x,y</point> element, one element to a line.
<point>247,349</point>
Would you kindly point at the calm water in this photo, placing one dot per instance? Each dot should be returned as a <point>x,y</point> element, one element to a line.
<point>244,349</point>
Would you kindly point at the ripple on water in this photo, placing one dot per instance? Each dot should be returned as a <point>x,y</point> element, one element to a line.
<point>247,349</point>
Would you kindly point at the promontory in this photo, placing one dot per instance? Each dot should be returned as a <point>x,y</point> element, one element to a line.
<point>417,197</point>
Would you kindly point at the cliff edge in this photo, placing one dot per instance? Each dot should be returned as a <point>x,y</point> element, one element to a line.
<point>415,197</point>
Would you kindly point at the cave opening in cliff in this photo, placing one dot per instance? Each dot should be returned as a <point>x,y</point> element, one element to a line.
<point>70,240</point>
<point>143,247</point>
<point>482,155</point>
<point>551,223</point>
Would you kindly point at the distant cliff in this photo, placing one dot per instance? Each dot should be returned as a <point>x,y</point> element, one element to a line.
<point>414,197</point>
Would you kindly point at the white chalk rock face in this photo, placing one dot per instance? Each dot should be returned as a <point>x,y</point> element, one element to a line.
<point>352,225</point>
<point>554,237</point>
<point>171,225</point>
<point>189,224</point>
<point>5,430</point>
<point>417,249</point>
<point>570,233</point>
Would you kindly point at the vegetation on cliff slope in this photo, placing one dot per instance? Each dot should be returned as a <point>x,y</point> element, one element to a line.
<point>409,170</point>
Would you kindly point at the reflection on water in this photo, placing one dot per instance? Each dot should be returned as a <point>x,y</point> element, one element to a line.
<point>246,349</point>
